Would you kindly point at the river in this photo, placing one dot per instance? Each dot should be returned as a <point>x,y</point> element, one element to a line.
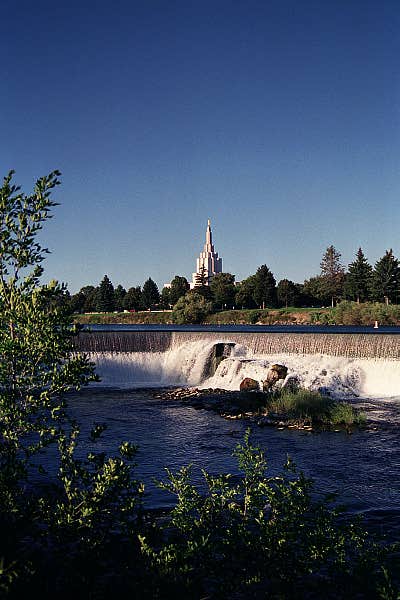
<point>362,468</point>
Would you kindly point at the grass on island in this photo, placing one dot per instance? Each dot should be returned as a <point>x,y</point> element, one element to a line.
<point>312,408</point>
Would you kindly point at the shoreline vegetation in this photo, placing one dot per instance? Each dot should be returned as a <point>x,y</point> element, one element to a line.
<point>345,313</point>
<point>293,409</point>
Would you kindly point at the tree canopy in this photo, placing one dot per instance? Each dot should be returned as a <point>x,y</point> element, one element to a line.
<point>223,290</point>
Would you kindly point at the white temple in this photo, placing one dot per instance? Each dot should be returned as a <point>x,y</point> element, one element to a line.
<point>208,262</point>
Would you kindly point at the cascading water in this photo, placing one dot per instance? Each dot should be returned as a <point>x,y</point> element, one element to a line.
<point>187,364</point>
<point>343,365</point>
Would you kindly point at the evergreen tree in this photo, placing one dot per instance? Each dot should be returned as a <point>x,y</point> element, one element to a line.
<point>202,281</point>
<point>359,279</point>
<point>286,293</point>
<point>77,302</point>
<point>105,298</point>
<point>133,299</point>
<point>265,287</point>
<point>223,289</point>
<point>201,278</point>
<point>179,287</point>
<point>119,295</point>
<point>150,293</point>
<point>91,296</point>
<point>386,278</point>
<point>332,272</point>
<point>165,298</point>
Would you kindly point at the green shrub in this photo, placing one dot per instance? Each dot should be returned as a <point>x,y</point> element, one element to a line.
<point>312,407</point>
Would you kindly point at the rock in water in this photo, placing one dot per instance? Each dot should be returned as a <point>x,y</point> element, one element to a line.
<point>248,384</point>
<point>275,373</point>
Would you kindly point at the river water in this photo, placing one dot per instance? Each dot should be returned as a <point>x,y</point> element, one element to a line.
<point>362,468</point>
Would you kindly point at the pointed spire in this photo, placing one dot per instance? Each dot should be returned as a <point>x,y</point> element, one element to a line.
<point>208,235</point>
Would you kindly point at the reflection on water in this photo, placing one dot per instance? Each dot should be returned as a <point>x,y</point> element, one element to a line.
<point>362,468</point>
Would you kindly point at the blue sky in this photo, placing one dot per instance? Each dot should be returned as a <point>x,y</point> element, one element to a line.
<point>279,120</point>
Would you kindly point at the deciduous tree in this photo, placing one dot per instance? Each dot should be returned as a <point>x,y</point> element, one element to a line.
<point>244,297</point>
<point>287,293</point>
<point>191,308</point>
<point>179,287</point>
<point>223,289</point>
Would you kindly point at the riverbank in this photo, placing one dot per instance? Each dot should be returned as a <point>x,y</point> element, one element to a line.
<point>345,313</point>
<point>228,317</point>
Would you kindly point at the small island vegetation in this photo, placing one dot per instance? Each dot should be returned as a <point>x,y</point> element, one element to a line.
<point>293,408</point>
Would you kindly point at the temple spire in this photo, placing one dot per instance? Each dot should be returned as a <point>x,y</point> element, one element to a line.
<point>209,263</point>
<point>208,237</point>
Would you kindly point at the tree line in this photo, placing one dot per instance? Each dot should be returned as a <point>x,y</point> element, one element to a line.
<point>360,282</point>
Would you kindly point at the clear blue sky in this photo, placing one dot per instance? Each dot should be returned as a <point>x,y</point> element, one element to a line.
<point>279,120</point>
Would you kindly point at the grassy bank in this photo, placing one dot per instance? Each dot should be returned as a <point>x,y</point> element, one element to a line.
<point>227,317</point>
<point>345,313</point>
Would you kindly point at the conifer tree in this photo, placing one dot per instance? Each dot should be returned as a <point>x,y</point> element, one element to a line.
<point>386,278</point>
<point>359,279</point>
<point>150,293</point>
<point>133,299</point>
<point>105,298</point>
<point>165,298</point>
<point>119,295</point>
<point>265,287</point>
<point>332,272</point>
<point>201,284</point>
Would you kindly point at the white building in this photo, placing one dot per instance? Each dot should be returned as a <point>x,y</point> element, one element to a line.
<point>208,262</point>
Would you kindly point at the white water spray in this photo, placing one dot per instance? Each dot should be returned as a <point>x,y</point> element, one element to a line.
<point>186,364</point>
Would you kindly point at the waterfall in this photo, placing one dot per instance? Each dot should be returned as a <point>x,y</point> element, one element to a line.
<point>351,345</point>
<point>341,364</point>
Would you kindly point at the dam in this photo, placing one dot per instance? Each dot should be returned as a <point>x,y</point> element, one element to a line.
<point>339,361</point>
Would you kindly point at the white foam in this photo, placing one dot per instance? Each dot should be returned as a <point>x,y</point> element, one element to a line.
<point>185,365</point>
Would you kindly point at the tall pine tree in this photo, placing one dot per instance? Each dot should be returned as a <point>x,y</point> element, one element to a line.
<point>386,278</point>
<point>265,287</point>
<point>359,279</point>
<point>105,296</point>
<point>332,272</point>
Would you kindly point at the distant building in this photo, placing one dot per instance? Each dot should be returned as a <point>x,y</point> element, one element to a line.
<point>208,264</point>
